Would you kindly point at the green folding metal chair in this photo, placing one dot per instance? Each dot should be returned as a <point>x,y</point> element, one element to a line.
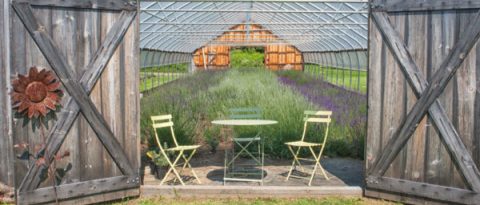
<point>165,121</point>
<point>322,117</point>
<point>246,143</point>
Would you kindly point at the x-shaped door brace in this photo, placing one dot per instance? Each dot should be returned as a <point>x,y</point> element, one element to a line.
<point>211,60</point>
<point>428,94</point>
<point>79,100</point>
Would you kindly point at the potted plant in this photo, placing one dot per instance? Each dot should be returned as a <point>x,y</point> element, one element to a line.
<point>159,163</point>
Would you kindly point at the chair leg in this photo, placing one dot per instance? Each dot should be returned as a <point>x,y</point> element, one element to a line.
<point>320,166</point>
<point>317,163</point>
<point>166,176</point>
<point>233,156</point>
<point>187,163</point>
<point>323,171</point>
<point>314,167</point>
<point>262,157</point>
<point>172,168</point>
<point>243,149</point>
<point>184,165</point>
<point>295,160</point>
<point>181,170</point>
<point>225,132</point>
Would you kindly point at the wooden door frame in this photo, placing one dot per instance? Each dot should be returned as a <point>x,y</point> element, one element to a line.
<point>427,94</point>
<point>78,101</point>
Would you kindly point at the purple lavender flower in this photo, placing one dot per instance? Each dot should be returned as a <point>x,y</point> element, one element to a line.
<point>346,105</point>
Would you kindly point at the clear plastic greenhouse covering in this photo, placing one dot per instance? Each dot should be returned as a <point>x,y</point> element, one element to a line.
<point>154,58</point>
<point>327,32</point>
<point>348,59</point>
<point>309,25</point>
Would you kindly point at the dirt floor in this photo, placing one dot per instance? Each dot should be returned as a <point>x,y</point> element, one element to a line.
<point>209,168</point>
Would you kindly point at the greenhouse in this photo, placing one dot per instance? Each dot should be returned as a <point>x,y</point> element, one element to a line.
<point>239,102</point>
<point>325,34</point>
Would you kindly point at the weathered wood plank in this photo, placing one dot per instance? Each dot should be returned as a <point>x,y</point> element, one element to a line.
<point>3,97</point>
<point>111,95</point>
<point>399,50</point>
<point>476,142</point>
<point>391,196</point>
<point>424,5</point>
<point>92,147</point>
<point>463,84</point>
<point>74,31</point>
<point>132,94</point>
<point>18,65</point>
<point>451,32</point>
<point>438,159</point>
<point>121,195</point>
<point>374,92</point>
<point>391,85</point>
<point>431,191</point>
<point>3,90</point>
<point>63,30</point>
<point>79,189</point>
<point>115,5</point>
<point>49,49</point>
<point>449,135</point>
<point>6,130</point>
<point>417,45</point>
<point>33,57</point>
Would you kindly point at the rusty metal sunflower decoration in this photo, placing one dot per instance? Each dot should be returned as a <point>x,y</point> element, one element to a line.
<point>36,97</point>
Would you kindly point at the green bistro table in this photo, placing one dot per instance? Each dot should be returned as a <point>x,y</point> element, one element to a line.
<point>244,148</point>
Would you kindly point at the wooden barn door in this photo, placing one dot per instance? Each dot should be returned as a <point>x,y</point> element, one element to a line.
<point>92,48</point>
<point>423,141</point>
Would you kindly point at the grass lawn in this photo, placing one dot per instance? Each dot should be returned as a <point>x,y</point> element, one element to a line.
<point>237,201</point>
<point>247,58</point>
<point>156,79</point>
<point>176,68</point>
<point>341,77</point>
<point>152,77</point>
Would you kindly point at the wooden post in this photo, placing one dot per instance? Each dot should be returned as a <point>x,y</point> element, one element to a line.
<point>204,59</point>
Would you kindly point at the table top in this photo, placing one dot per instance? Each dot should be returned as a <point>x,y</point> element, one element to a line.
<point>244,122</point>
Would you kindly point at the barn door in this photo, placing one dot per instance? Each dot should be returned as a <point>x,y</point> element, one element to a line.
<point>424,101</point>
<point>78,84</point>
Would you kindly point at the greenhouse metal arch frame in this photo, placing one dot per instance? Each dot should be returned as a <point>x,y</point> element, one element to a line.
<point>325,32</point>
<point>163,21</point>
